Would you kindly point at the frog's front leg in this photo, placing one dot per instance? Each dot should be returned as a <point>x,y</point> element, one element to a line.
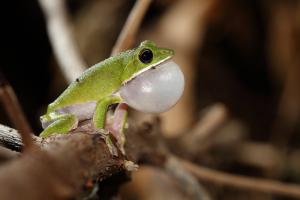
<point>61,124</point>
<point>99,117</point>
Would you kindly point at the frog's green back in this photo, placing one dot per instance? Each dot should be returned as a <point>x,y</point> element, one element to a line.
<point>95,83</point>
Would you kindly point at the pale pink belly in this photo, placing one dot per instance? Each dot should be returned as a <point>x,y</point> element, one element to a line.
<point>82,111</point>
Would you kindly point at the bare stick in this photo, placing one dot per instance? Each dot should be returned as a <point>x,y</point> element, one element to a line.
<point>130,29</point>
<point>187,181</point>
<point>62,40</point>
<point>60,172</point>
<point>7,155</point>
<point>209,123</point>
<point>243,182</point>
<point>12,107</point>
<point>10,138</point>
<point>61,169</point>
<point>200,138</point>
<point>67,162</point>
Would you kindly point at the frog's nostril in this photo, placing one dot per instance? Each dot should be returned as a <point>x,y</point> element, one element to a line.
<point>168,51</point>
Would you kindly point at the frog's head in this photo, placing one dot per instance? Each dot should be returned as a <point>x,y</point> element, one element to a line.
<point>146,56</point>
<point>152,82</point>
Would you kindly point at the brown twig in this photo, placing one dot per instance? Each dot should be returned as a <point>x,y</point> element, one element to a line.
<point>284,59</point>
<point>13,108</point>
<point>243,182</point>
<point>60,170</point>
<point>130,29</point>
<point>148,146</point>
<point>59,30</point>
<point>7,154</point>
<point>185,179</point>
<point>201,136</point>
<point>10,138</point>
<point>141,144</point>
<point>211,121</point>
<point>260,155</point>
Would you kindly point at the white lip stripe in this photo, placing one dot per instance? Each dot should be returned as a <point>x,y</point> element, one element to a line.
<point>145,69</point>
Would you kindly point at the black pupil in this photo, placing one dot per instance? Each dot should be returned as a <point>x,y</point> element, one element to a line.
<point>146,56</point>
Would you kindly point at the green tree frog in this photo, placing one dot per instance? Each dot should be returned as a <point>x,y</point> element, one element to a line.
<point>144,78</point>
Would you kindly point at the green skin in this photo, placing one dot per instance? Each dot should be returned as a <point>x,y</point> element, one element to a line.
<point>100,84</point>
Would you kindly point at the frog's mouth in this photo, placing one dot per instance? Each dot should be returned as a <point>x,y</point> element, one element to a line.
<point>153,66</point>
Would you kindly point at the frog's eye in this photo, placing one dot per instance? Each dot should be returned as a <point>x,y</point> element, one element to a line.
<point>146,56</point>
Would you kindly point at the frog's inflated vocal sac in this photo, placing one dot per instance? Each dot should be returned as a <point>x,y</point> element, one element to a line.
<point>145,78</point>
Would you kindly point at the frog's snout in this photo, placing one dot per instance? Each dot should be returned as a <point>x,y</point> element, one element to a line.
<point>168,52</point>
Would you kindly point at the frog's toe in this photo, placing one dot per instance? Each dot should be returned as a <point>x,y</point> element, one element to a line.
<point>111,147</point>
<point>61,125</point>
<point>45,123</point>
<point>45,133</point>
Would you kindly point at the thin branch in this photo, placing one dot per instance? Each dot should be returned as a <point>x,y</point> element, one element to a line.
<point>10,138</point>
<point>213,119</point>
<point>7,155</point>
<point>13,108</point>
<point>187,181</point>
<point>141,144</point>
<point>62,40</point>
<point>243,182</point>
<point>201,136</point>
<point>131,27</point>
<point>60,170</point>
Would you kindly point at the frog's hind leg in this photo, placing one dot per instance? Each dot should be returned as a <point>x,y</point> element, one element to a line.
<point>61,125</point>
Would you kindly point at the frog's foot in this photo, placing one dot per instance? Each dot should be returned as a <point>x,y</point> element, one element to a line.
<point>111,147</point>
<point>120,139</point>
<point>61,125</point>
<point>118,126</point>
